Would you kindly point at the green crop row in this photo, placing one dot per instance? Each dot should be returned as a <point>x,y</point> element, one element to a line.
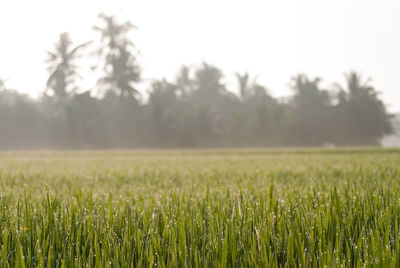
<point>200,209</point>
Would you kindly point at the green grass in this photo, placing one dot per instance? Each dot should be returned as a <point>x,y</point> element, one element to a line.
<point>277,208</point>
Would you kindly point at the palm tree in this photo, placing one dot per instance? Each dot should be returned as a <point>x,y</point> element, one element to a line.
<point>357,87</point>
<point>304,87</point>
<point>120,67</point>
<point>364,114</point>
<point>244,85</point>
<point>311,107</point>
<point>62,66</point>
<point>209,85</point>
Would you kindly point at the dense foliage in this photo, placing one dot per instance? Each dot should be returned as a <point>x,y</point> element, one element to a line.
<point>200,209</point>
<point>194,110</point>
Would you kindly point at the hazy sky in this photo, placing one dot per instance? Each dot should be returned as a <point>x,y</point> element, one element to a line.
<point>274,39</point>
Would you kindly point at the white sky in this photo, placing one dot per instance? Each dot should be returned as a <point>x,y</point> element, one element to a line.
<point>274,39</point>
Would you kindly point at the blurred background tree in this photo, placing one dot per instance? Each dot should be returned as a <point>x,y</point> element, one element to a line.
<point>63,67</point>
<point>195,109</point>
<point>118,56</point>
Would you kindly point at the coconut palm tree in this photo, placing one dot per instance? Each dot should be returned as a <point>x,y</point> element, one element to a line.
<point>311,107</point>
<point>356,86</point>
<point>209,85</point>
<point>120,63</point>
<point>62,66</point>
<point>244,85</point>
<point>364,114</point>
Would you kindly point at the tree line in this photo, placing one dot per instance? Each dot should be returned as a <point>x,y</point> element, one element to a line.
<point>194,110</point>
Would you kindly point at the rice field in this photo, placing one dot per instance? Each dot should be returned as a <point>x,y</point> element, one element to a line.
<point>211,208</point>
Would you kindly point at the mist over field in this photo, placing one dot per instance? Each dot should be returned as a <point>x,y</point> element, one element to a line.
<point>193,110</point>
